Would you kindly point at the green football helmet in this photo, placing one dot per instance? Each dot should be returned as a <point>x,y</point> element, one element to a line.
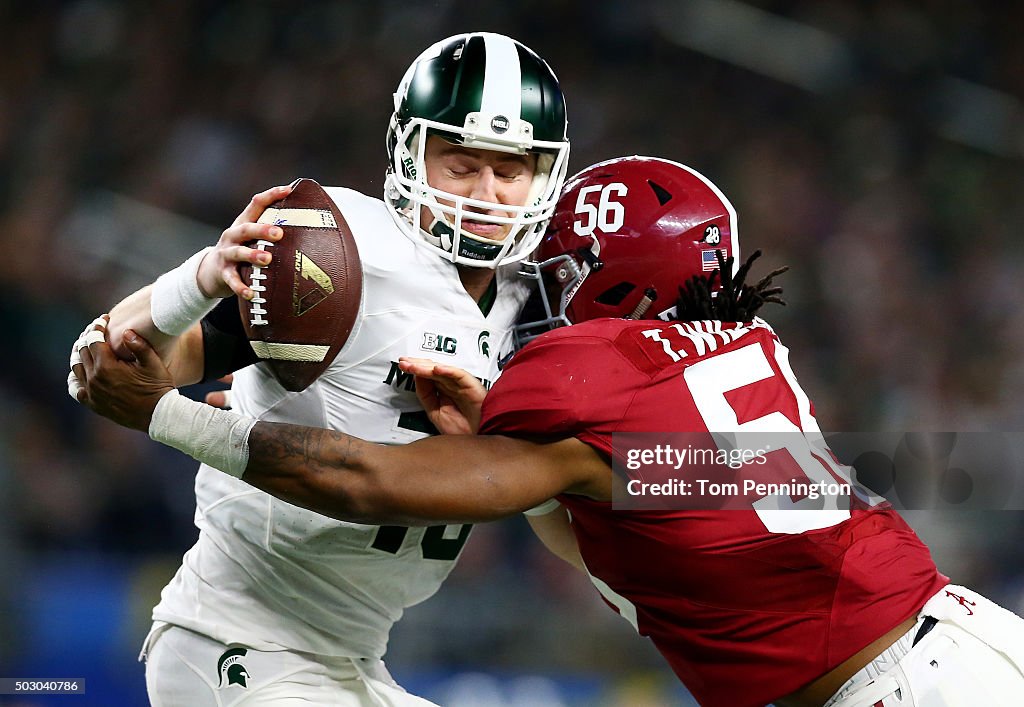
<point>483,91</point>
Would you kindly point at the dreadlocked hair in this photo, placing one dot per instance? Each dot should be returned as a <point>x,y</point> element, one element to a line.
<point>736,301</point>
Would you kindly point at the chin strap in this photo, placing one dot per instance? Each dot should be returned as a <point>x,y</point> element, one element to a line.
<point>650,294</point>
<point>441,234</point>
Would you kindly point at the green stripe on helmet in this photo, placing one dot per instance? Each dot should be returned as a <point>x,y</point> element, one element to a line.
<point>543,105</point>
<point>449,86</point>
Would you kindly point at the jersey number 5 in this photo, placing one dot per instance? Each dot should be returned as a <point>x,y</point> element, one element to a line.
<point>709,381</point>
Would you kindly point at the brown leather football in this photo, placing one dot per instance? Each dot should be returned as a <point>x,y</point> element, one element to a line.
<point>307,299</point>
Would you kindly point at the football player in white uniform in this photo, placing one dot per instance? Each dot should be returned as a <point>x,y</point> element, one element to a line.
<point>277,605</point>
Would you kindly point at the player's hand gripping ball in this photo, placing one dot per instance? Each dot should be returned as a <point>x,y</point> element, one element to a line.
<point>307,299</point>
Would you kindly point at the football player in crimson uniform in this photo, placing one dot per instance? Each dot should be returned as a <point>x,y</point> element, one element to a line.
<point>772,601</point>
<point>477,156</point>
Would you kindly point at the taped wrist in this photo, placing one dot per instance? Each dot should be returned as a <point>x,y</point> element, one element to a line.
<point>215,437</point>
<point>176,302</point>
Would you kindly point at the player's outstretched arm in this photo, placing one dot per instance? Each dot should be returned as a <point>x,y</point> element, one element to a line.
<point>439,479</point>
<point>443,479</point>
<point>167,312</point>
<point>453,398</point>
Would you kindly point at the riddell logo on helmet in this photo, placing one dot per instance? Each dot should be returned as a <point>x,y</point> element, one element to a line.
<point>499,124</point>
<point>410,166</point>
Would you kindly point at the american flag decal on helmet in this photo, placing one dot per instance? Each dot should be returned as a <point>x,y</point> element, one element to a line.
<point>708,260</point>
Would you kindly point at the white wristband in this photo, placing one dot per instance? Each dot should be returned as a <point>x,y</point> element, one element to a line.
<point>215,437</point>
<point>549,506</point>
<point>176,302</point>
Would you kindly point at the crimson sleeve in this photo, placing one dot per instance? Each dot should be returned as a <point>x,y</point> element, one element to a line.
<point>561,386</point>
<point>531,397</point>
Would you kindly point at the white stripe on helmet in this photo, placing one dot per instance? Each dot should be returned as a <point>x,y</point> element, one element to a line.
<point>502,79</point>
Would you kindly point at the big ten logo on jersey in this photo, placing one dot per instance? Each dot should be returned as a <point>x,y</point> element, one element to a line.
<point>607,214</point>
<point>439,343</point>
<point>449,341</point>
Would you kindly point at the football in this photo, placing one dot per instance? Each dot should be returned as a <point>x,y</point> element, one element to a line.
<point>307,299</point>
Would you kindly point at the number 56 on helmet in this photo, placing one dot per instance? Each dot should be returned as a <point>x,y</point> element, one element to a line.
<point>626,234</point>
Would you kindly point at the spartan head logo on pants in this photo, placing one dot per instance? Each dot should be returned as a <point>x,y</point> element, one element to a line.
<point>230,665</point>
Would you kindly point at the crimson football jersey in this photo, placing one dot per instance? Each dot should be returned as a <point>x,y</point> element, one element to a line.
<point>746,605</point>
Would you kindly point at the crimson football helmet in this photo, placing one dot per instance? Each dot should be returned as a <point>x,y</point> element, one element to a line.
<point>625,235</point>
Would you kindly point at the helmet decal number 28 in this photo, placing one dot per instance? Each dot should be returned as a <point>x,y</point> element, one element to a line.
<point>607,215</point>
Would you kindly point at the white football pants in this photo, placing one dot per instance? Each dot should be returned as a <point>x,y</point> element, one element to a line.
<point>187,669</point>
<point>974,657</point>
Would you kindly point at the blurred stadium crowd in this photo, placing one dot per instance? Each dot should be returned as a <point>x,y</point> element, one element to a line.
<point>876,147</point>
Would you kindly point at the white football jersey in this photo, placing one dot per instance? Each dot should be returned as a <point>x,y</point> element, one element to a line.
<point>269,575</point>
